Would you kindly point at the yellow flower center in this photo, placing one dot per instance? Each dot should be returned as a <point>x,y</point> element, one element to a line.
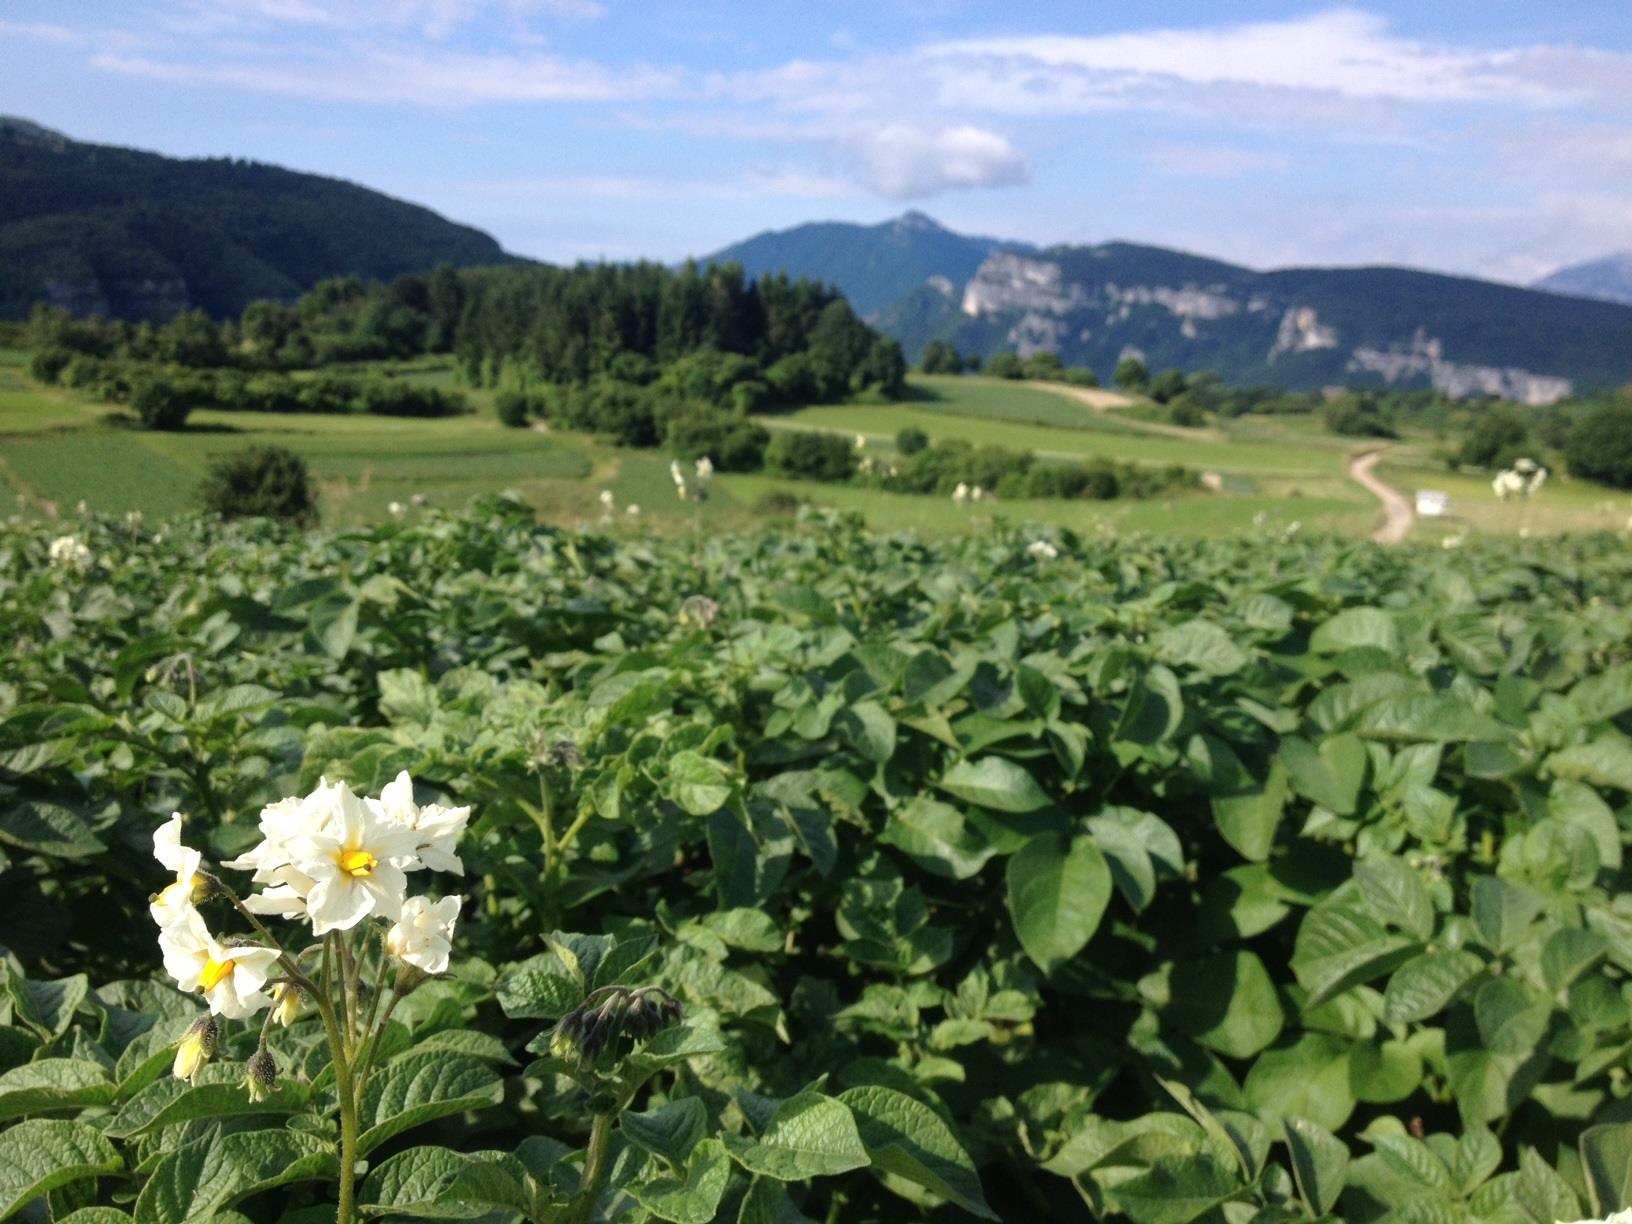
<point>358,864</point>
<point>214,971</point>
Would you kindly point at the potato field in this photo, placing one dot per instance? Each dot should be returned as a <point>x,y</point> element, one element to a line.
<point>810,873</point>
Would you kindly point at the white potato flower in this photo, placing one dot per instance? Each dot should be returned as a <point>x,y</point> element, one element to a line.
<point>67,552</point>
<point>1042,550</point>
<point>284,825</point>
<point>705,470</point>
<point>355,860</point>
<point>230,978</point>
<point>437,828</point>
<point>633,511</point>
<point>960,495</point>
<point>176,900</point>
<point>606,498</point>
<point>861,441</point>
<point>396,509</point>
<point>677,472</point>
<point>423,935</point>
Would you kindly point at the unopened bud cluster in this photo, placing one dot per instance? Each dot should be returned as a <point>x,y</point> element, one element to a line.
<point>607,1014</point>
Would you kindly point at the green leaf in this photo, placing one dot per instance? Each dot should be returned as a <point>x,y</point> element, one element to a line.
<point>1606,1156</point>
<point>1310,1078</point>
<point>47,1007</point>
<point>1568,953</point>
<point>1058,888</point>
<point>1353,628</point>
<point>1320,1163</point>
<point>936,836</point>
<point>905,1137</point>
<point>696,1199</point>
<point>1330,775</point>
<point>333,621</point>
<point>670,1131</point>
<point>51,1084</point>
<point>213,1173</point>
<point>417,1087</point>
<point>1502,911</point>
<point>869,729</point>
<point>47,828</point>
<point>996,783</point>
<point>169,1101</point>
<point>810,1135</point>
<point>1227,1002</point>
<point>1425,985</point>
<point>435,1183</point>
<point>1395,894</point>
<point>1201,645</point>
<point>1606,761</point>
<point>1247,817</point>
<point>1383,1073</point>
<point>697,783</point>
<point>1176,1190</point>
<point>1340,946</point>
<point>42,1154</point>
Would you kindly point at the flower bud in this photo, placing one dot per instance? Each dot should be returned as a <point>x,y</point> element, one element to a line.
<point>196,1047</point>
<point>261,1074</point>
<point>286,1004</point>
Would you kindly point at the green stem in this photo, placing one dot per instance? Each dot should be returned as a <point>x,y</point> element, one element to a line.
<point>344,1092</point>
<point>600,1138</point>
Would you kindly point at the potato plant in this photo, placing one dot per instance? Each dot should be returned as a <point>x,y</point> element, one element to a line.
<point>819,874</point>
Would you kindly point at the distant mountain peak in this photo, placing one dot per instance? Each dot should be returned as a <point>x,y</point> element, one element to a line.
<point>913,220</point>
<point>1608,279</point>
<point>18,128</point>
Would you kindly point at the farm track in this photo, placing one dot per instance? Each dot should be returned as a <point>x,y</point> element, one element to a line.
<point>1103,401</point>
<point>1397,512</point>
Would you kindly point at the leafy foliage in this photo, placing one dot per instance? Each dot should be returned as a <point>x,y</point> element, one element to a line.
<point>261,481</point>
<point>1164,880</point>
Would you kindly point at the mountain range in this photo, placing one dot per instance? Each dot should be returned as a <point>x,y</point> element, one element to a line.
<point>105,230</point>
<point>115,231</point>
<point>1298,328</point>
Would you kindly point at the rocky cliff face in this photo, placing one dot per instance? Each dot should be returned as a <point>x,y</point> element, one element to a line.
<point>1267,333</point>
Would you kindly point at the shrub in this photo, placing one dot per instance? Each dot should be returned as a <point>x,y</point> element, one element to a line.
<point>513,408</point>
<point>1131,375</point>
<point>392,397</point>
<point>328,393</point>
<point>1600,446</point>
<point>911,440</point>
<point>941,358</point>
<point>1078,376</point>
<point>814,456</point>
<point>1167,385</point>
<point>45,364</point>
<point>1043,365</point>
<point>1496,436</point>
<point>734,444</point>
<point>1006,365</point>
<point>1357,416</point>
<point>162,403</point>
<point>1185,411</point>
<point>261,482</point>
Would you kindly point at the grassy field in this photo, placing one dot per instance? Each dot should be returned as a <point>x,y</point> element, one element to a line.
<point>57,449</point>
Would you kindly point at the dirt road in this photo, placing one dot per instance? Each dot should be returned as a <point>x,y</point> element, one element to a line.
<point>1397,511</point>
<point>1101,400</point>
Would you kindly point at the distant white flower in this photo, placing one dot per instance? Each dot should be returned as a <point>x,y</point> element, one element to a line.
<point>960,495</point>
<point>680,489</point>
<point>420,499</point>
<point>861,441</point>
<point>1042,550</point>
<point>172,904</point>
<point>67,552</point>
<point>396,509</point>
<point>977,494</point>
<point>1521,480</point>
<point>705,470</point>
<point>1259,519</point>
<point>82,506</point>
<point>607,499</point>
<point>230,978</point>
<point>677,472</point>
<point>632,510</point>
<point>437,829</point>
<point>133,519</point>
<point>423,935</point>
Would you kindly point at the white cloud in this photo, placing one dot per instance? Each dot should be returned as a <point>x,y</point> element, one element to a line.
<point>906,162</point>
<point>1343,52</point>
<point>422,79</point>
<point>434,18</point>
<point>39,31</point>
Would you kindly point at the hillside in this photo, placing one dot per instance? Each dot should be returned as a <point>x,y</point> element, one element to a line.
<point>1300,328</point>
<point>105,230</point>
<point>1609,279</point>
<point>874,265</point>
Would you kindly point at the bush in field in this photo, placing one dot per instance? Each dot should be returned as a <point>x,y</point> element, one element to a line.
<point>46,364</point>
<point>911,440</point>
<point>164,402</point>
<point>1499,435</point>
<point>1006,365</point>
<point>394,397</point>
<point>1131,375</point>
<point>1600,446</point>
<point>941,358</point>
<point>261,482</point>
<point>1358,415</point>
<point>1167,386</point>
<point>730,442</point>
<point>514,408</point>
<point>811,456</point>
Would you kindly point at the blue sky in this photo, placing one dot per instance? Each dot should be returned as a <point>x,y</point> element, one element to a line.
<point>1492,138</point>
